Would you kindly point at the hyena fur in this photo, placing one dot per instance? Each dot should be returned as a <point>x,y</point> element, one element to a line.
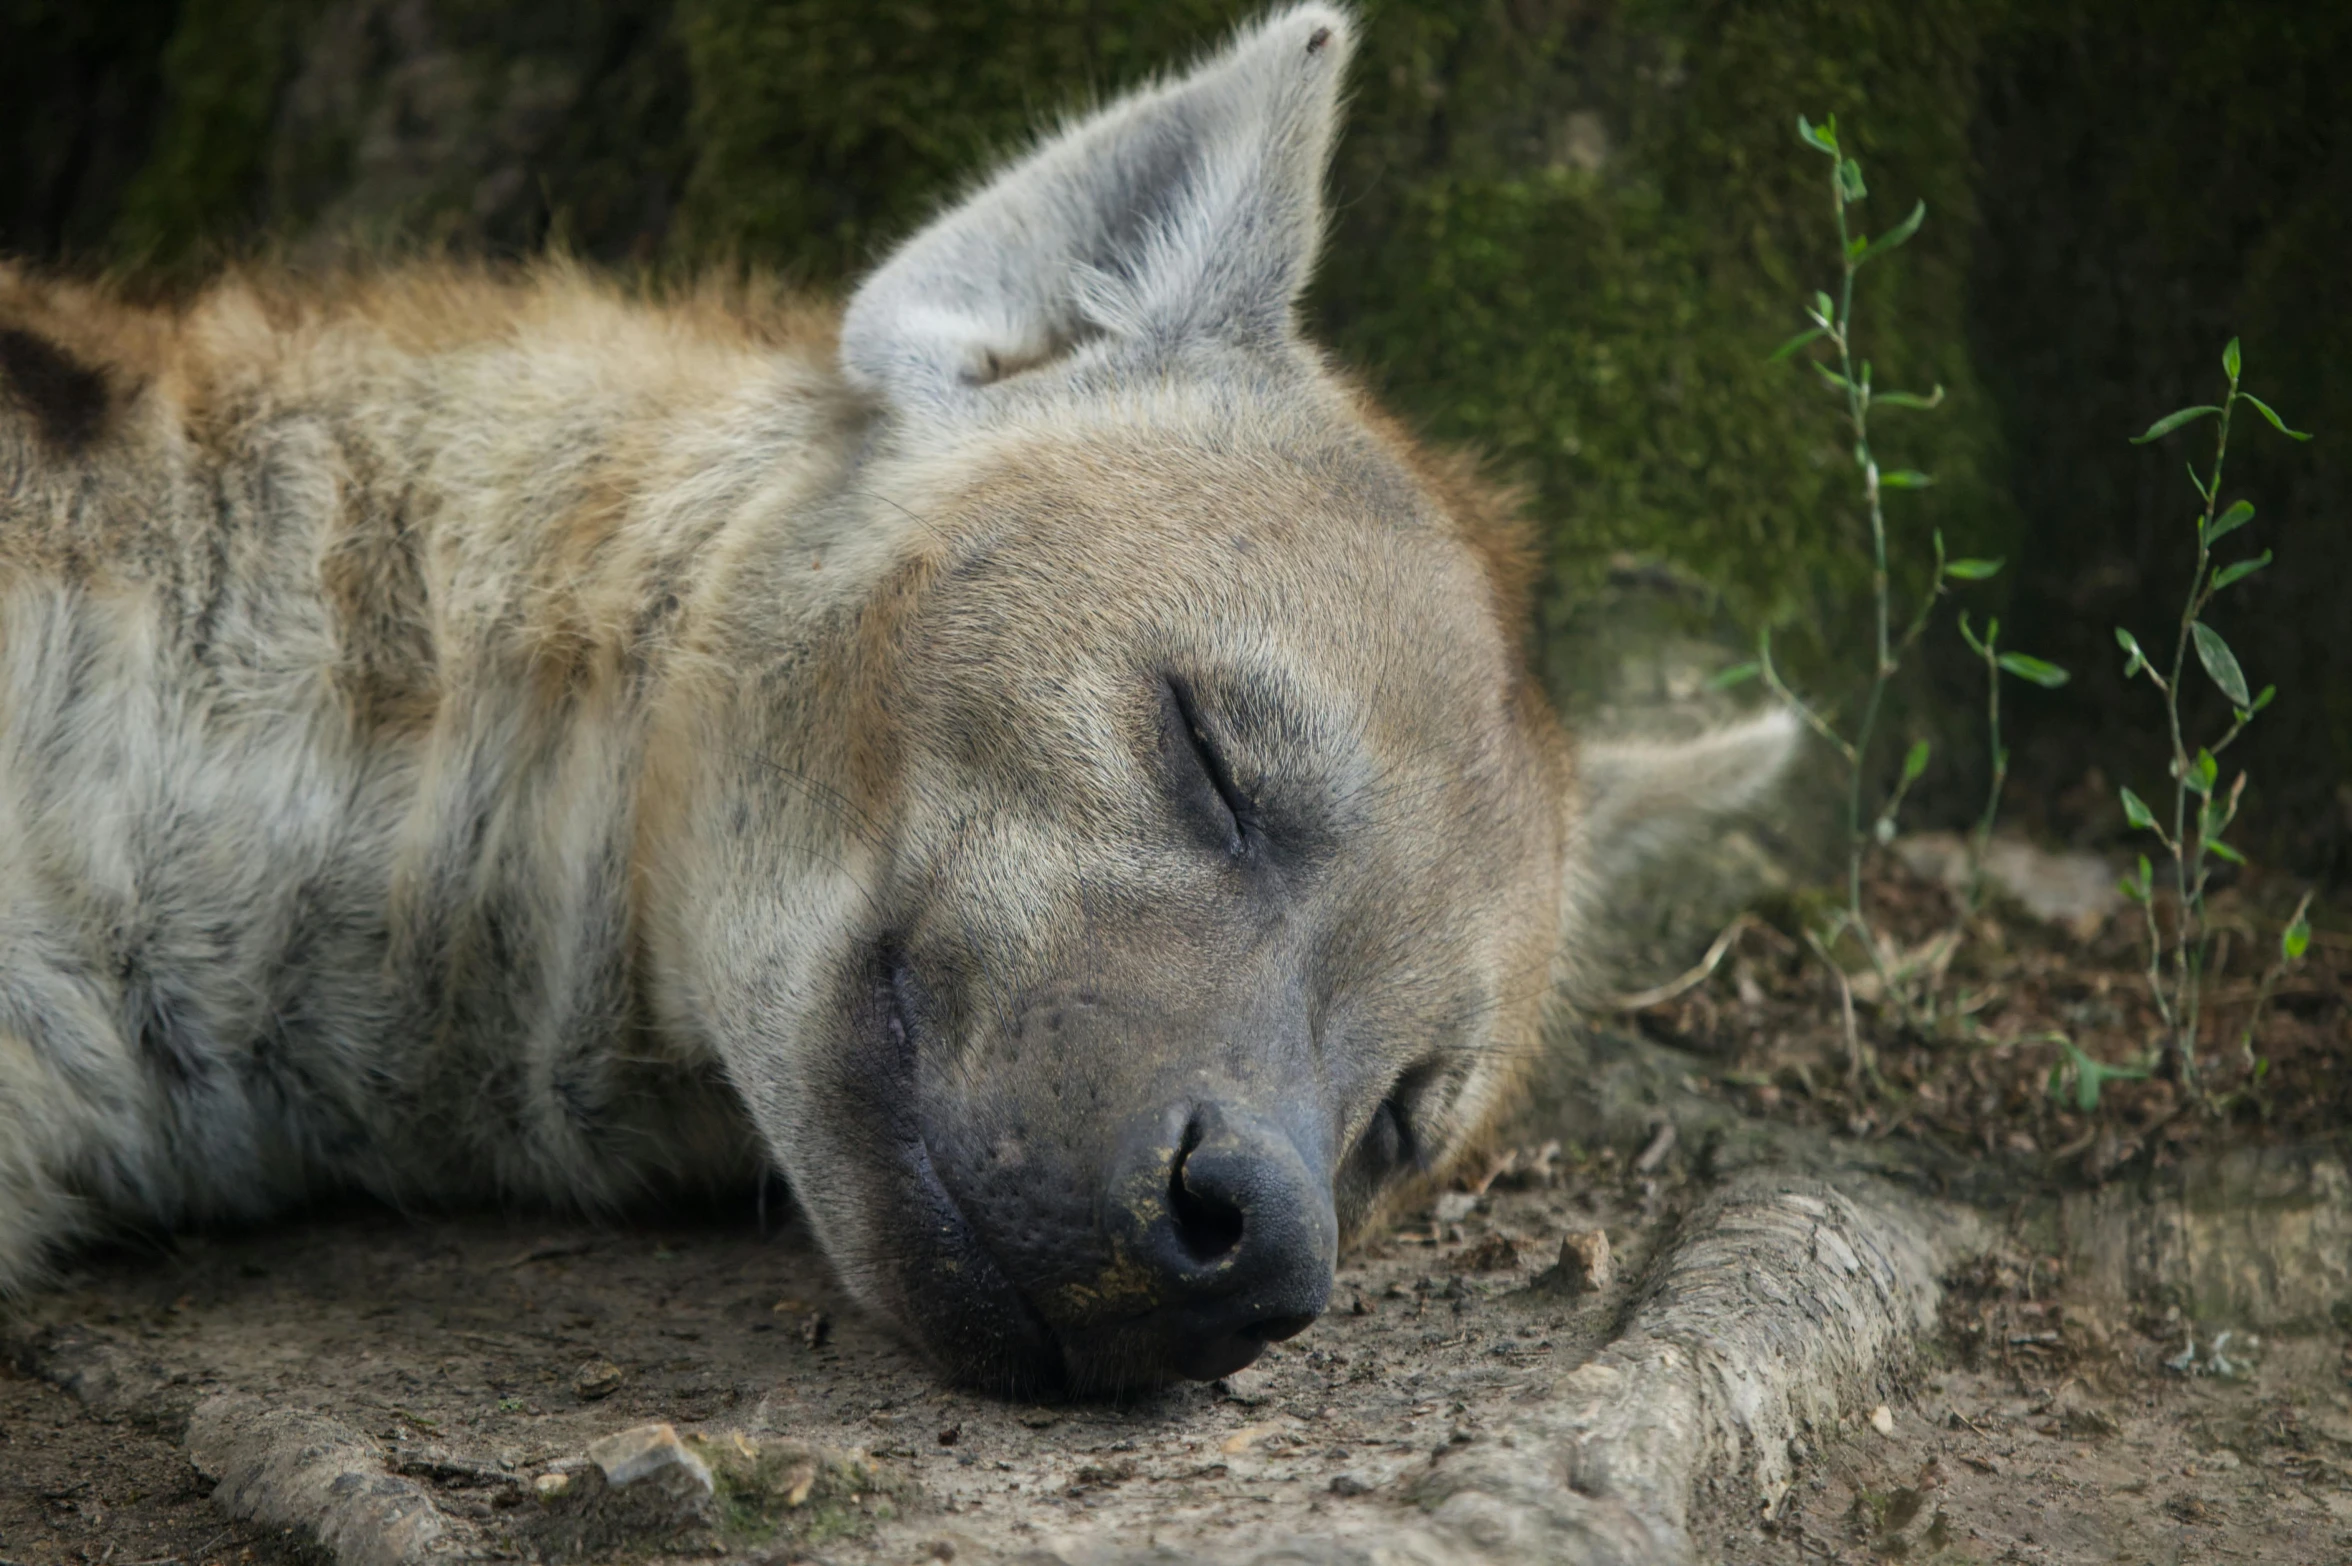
<point>1035,756</point>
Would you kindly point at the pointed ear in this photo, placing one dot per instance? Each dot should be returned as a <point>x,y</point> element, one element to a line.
<point>1644,796</point>
<point>1185,210</point>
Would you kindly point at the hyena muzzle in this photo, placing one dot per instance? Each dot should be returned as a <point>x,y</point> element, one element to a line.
<point>1036,758</point>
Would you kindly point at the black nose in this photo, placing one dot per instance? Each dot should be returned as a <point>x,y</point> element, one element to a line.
<point>1232,1229</point>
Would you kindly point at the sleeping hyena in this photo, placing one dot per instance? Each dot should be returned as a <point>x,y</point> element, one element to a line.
<point>1036,756</point>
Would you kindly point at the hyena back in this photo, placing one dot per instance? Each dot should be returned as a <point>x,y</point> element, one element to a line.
<point>1036,757</point>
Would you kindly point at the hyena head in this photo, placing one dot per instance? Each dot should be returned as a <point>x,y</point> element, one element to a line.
<point>1176,854</point>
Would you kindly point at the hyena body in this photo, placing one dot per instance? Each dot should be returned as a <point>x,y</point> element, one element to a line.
<point>1038,758</point>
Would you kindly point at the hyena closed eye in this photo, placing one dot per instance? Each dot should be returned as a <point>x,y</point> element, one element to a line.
<point>1039,759</point>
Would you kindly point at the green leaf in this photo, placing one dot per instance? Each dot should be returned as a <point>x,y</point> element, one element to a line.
<point>2135,809</point>
<point>1896,235</point>
<point>2262,699</point>
<point>1904,399</point>
<point>2276,422</point>
<point>2047,675</point>
<point>1824,308</point>
<point>1793,344</point>
<point>1974,570</point>
<point>1905,478</point>
<point>2240,571</point>
<point>2207,769</point>
<point>2173,421</point>
<point>2229,359</point>
<point>2214,845</point>
<point>2137,888</point>
<point>1737,674</point>
<point>1828,374</point>
<point>1969,636</point>
<point>2237,516</point>
<point>2130,644</point>
<point>1822,136</point>
<point>2220,662</point>
<point>1915,761</point>
<point>2295,939</point>
<point>1850,181</point>
<point>2091,1075</point>
<point>2204,490</point>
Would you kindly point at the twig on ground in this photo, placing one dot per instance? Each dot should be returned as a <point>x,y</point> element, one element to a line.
<point>1643,1000</point>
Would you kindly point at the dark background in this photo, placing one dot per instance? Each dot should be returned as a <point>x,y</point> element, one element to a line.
<point>1567,232</point>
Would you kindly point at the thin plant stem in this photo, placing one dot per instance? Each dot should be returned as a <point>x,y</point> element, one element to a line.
<point>1981,836</point>
<point>2270,977</point>
<point>1857,390</point>
<point>2188,857</point>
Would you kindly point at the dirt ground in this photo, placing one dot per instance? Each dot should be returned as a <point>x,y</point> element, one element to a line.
<point>2066,1412</point>
<point>2039,1430</point>
<point>482,1352</point>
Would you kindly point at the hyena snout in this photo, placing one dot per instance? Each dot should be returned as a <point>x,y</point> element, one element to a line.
<point>1213,1213</point>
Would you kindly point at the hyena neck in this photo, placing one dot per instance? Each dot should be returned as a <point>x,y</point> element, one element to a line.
<point>659,570</point>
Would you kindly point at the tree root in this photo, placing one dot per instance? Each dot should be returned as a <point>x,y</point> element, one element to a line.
<point>1781,1303</point>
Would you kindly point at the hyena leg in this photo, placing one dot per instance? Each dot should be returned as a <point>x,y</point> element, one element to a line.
<point>73,1142</point>
<point>39,1145</point>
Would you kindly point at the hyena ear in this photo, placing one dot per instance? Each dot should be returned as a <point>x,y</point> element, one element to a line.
<point>1643,796</point>
<point>1188,210</point>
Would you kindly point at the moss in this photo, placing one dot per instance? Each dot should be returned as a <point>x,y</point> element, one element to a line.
<point>822,130</point>
<point>223,71</point>
<point>773,1491</point>
<point>1580,245</point>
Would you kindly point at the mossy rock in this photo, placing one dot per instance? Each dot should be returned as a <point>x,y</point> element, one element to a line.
<point>764,1491</point>
<point>772,1491</point>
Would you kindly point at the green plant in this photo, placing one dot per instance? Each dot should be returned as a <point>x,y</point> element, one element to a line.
<point>2026,667</point>
<point>2294,941</point>
<point>2088,1075</point>
<point>1850,379</point>
<point>2195,838</point>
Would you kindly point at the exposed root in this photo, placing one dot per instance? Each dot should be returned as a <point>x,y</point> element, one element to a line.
<point>1783,1301</point>
<point>288,1468</point>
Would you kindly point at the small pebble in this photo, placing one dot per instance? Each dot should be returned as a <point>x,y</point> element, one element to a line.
<point>1586,1266</point>
<point>1882,1420</point>
<point>645,1451</point>
<point>599,1378</point>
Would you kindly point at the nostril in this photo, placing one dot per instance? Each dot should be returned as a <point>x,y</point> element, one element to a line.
<point>1208,1226</point>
